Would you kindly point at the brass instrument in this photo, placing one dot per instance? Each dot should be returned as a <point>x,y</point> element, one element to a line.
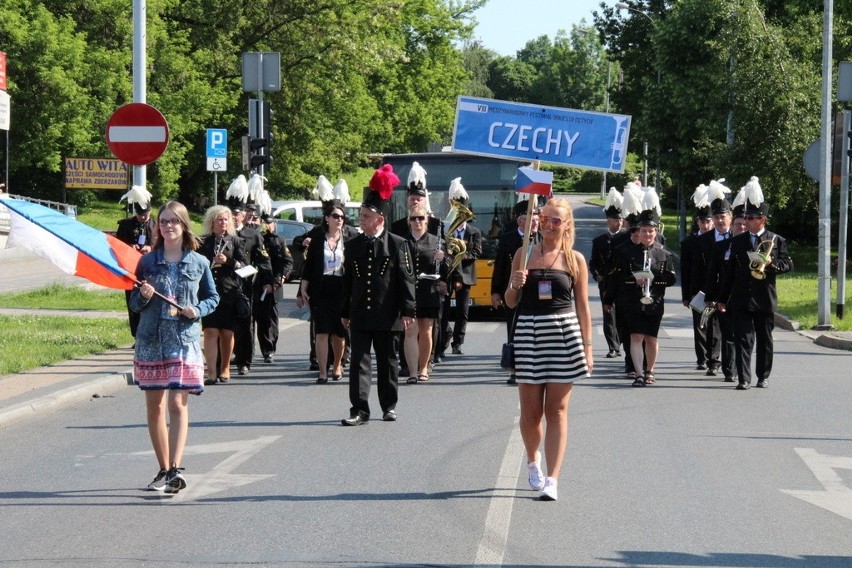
<point>458,215</point>
<point>760,258</point>
<point>646,275</point>
<point>218,247</point>
<point>706,314</point>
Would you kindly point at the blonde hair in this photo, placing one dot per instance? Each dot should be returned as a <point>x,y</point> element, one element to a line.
<point>571,264</point>
<point>418,210</point>
<point>178,209</point>
<point>210,216</point>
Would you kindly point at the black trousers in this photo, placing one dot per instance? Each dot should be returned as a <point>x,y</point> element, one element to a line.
<point>244,335</point>
<point>726,342</point>
<point>610,331</point>
<point>699,337</point>
<point>383,343</point>
<point>460,314</point>
<point>266,321</point>
<point>712,341</point>
<point>621,328</point>
<point>132,317</point>
<point>750,328</point>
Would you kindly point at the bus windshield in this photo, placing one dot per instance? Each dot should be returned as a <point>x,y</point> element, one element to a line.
<point>489,182</point>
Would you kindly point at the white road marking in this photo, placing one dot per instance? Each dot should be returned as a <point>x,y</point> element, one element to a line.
<point>492,545</point>
<point>836,498</point>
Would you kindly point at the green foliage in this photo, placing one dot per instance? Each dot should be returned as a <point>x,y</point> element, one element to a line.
<point>28,342</point>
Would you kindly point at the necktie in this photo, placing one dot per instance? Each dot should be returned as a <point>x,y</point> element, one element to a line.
<point>753,240</point>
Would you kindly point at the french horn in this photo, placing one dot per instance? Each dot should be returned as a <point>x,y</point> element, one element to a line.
<point>458,215</point>
<point>760,258</point>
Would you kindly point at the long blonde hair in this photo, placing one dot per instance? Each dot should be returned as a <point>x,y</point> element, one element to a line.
<point>211,214</point>
<point>190,241</point>
<point>571,264</point>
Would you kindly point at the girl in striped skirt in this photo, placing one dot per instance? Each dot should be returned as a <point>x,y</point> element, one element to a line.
<point>553,345</point>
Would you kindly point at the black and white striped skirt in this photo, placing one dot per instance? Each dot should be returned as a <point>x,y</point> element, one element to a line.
<point>549,349</point>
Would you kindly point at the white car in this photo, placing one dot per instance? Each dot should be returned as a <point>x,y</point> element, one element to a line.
<point>311,211</point>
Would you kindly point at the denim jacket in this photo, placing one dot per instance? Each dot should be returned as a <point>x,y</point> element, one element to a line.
<point>195,288</point>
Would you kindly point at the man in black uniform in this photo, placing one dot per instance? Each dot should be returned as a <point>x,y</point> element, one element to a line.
<point>508,244</point>
<point>266,308</point>
<point>703,222</point>
<point>748,291</point>
<point>378,301</point>
<point>599,265</point>
<point>136,231</point>
<point>720,354</point>
<point>253,287</point>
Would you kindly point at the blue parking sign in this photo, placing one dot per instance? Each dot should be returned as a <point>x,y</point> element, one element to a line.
<point>217,143</point>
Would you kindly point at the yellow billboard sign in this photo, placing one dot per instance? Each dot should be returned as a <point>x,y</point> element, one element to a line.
<point>95,173</point>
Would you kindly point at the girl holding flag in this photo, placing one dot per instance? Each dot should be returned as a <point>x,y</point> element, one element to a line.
<point>176,291</point>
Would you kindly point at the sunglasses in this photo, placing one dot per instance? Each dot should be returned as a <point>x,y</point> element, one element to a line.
<point>169,222</point>
<point>555,221</point>
<point>417,218</point>
<point>337,216</point>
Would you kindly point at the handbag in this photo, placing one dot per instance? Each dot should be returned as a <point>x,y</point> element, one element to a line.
<point>507,356</point>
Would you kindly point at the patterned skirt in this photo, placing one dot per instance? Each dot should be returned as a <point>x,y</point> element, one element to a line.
<point>549,349</point>
<point>164,363</point>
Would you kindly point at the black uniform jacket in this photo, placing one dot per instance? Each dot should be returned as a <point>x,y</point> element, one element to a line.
<point>232,247</point>
<point>687,263</point>
<point>258,257</point>
<point>130,229</point>
<point>599,261</point>
<point>739,289</point>
<point>423,256</point>
<point>622,288</point>
<point>466,271</point>
<point>378,282</point>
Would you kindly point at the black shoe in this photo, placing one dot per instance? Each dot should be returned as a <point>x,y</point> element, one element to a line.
<point>763,384</point>
<point>439,357</point>
<point>389,416</point>
<point>743,386</point>
<point>729,379</point>
<point>700,367</point>
<point>314,366</point>
<point>512,380</point>
<point>613,354</point>
<point>268,358</point>
<point>243,370</point>
<point>355,420</point>
<point>712,371</point>
<point>457,350</point>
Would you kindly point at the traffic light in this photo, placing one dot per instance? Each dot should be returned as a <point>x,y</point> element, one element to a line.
<point>255,153</point>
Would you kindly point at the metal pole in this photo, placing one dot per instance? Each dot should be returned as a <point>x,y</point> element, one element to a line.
<point>844,216</point>
<point>824,258</point>
<point>645,163</point>
<point>261,132</point>
<point>606,106</point>
<point>140,84</point>
<point>215,187</point>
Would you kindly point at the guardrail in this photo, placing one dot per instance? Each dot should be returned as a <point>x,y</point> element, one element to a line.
<point>64,208</point>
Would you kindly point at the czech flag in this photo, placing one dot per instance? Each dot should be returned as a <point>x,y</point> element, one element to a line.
<point>532,181</point>
<point>74,247</point>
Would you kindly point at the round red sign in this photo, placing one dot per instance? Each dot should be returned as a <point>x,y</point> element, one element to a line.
<point>137,134</point>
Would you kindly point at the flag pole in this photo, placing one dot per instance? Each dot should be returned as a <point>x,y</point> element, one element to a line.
<point>530,207</point>
<point>169,301</point>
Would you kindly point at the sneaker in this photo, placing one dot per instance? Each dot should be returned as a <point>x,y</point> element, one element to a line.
<point>268,358</point>
<point>549,491</point>
<point>159,482</point>
<point>536,477</point>
<point>174,480</point>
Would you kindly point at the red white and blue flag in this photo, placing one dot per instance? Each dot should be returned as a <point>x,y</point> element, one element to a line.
<point>74,247</point>
<point>536,182</point>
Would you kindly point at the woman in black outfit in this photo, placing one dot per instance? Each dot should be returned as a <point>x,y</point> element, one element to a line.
<point>322,289</point>
<point>431,274</point>
<point>221,246</point>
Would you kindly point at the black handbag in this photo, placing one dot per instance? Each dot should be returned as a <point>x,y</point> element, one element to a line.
<point>507,356</point>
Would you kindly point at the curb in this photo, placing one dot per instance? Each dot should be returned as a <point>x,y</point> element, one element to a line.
<point>64,397</point>
<point>831,340</point>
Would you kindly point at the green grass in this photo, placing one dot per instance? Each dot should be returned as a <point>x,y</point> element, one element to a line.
<point>28,342</point>
<point>59,297</point>
<point>105,215</point>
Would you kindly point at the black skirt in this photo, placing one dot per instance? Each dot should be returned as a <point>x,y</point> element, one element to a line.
<point>327,306</point>
<point>225,314</point>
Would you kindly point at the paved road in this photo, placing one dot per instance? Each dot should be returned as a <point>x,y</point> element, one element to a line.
<point>688,472</point>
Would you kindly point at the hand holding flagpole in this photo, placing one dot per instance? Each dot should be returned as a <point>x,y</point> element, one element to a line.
<point>535,182</point>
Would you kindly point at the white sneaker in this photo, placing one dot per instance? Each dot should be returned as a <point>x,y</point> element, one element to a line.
<point>159,482</point>
<point>549,491</point>
<point>174,480</point>
<point>536,477</point>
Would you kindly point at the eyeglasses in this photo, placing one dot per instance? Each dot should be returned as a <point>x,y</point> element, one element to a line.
<point>337,216</point>
<point>420,218</point>
<point>169,222</point>
<point>555,221</point>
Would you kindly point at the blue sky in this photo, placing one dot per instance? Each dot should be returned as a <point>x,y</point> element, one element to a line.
<point>505,26</point>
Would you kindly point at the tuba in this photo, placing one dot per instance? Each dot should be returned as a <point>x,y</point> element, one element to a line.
<point>760,257</point>
<point>458,215</point>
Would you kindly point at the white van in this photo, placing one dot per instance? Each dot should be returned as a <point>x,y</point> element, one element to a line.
<point>311,211</point>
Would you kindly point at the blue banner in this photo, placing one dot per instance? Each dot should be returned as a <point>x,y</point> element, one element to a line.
<point>565,137</point>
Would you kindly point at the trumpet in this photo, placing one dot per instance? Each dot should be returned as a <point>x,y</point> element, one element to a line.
<point>458,215</point>
<point>760,258</point>
<point>648,276</point>
<point>218,247</point>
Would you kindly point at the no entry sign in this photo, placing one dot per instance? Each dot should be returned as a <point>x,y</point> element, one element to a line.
<point>137,134</point>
